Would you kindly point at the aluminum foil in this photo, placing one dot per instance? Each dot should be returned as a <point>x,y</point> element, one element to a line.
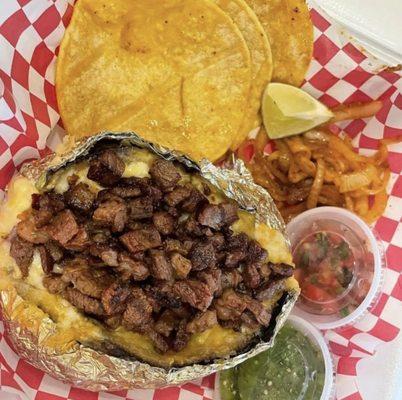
<point>91,369</point>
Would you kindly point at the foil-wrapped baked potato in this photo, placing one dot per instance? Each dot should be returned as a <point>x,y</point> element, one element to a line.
<point>136,254</point>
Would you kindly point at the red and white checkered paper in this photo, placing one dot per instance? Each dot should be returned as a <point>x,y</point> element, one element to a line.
<point>30,32</point>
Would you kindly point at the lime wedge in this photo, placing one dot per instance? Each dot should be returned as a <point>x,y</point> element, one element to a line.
<point>288,110</point>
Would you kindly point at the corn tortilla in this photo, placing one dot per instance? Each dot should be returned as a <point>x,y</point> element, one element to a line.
<point>290,31</point>
<point>261,59</point>
<point>177,72</point>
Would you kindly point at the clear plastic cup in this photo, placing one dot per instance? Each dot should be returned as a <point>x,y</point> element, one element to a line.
<point>319,343</point>
<point>365,266</point>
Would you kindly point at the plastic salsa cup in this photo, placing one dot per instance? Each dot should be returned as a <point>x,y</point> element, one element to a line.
<point>298,367</point>
<point>339,266</point>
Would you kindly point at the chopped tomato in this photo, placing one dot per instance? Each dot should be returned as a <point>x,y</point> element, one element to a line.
<point>314,293</point>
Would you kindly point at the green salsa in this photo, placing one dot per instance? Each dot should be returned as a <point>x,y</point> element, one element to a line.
<point>294,369</point>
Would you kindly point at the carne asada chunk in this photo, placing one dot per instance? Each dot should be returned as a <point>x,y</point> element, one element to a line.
<point>176,246</point>
<point>22,252</point>
<point>115,297</point>
<point>27,230</point>
<point>46,259</point>
<point>212,277</point>
<point>166,323</point>
<point>138,313</point>
<point>87,280</point>
<point>230,305</point>
<point>181,265</point>
<point>83,302</point>
<point>164,222</point>
<point>160,266</point>
<point>202,256</point>
<point>79,242</point>
<point>270,289</point>
<point>182,337</point>
<point>284,270</point>
<point>130,268</point>
<point>63,227</point>
<point>106,253</point>
<point>80,197</point>
<point>202,322</point>
<point>106,169</point>
<point>217,216</point>
<point>141,239</point>
<point>251,276</point>
<point>164,174</point>
<point>195,293</point>
<point>112,213</point>
<point>178,195</point>
<point>54,284</point>
<point>141,208</point>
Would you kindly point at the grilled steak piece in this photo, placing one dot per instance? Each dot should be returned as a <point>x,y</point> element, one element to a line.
<point>130,268</point>
<point>160,266</point>
<point>22,252</point>
<point>125,191</point>
<point>138,313</point>
<point>195,293</point>
<point>230,305</point>
<point>284,270</point>
<point>46,259</point>
<point>106,253</point>
<point>106,169</point>
<point>164,222</point>
<point>234,257</point>
<point>63,227</point>
<point>85,303</point>
<point>212,277</point>
<point>54,284</point>
<point>158,341</point>
<point>115,297</point>
<point>141,208</point>
<point>166,323</point>
<point>217,216</point>
<point>217,240</point>
<point>260,313</point>
<point>27,230</point>
<point>256,254</point>
<point>112,213</point>
<point>176,246</point>
<point>251,276</point>
<point>80,197</point>
<point>192,202</point>
<point>270,289</point>
<point>182,337</point>
<point>164,174</point>
<point>87,280</point>
<point>231,279</point>
<point>79,242</point>
<point>50,201</point>
<point>181,265</point>
<point>55,251</point>
<point>202,256</point>
<point>141,239</point>
<point>178,195</point>
<point>202,322</point>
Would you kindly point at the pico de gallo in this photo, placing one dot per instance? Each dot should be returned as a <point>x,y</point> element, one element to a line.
<point>332,277</point>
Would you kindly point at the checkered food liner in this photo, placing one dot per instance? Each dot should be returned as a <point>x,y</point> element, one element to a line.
<point>30,33</point>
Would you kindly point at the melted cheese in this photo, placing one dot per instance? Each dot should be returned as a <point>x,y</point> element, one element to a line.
<point>18,200</point>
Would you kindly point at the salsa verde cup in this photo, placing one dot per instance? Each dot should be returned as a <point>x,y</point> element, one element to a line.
<point>339,266</point>
<point>314,370</point>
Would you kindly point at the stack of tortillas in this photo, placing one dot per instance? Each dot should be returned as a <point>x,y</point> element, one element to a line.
<point>187,74</point>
